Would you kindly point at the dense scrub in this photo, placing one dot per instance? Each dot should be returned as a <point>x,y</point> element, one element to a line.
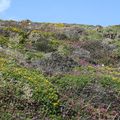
<point>59,71</point>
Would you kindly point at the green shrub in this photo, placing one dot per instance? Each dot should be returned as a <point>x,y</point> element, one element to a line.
<point>59,25</point>
<point>45,45</point>
<point>13,29</point>
<point>4,41</point>
<point>5,116</point>
<point>72,82</point>
<point>64,49</point>
<point>93,35</point>
<point>110,82</point>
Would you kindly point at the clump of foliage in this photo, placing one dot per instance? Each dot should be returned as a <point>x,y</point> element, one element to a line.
<point>4,41</point>
<point>46,45</point>
<point>93,35</point>
<point>59,25</point>
<point>13,29</point>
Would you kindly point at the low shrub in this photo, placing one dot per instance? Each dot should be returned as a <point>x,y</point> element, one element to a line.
<point>26,85</point>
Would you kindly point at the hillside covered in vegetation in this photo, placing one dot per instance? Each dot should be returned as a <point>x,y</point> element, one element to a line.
<point>56,71</point>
